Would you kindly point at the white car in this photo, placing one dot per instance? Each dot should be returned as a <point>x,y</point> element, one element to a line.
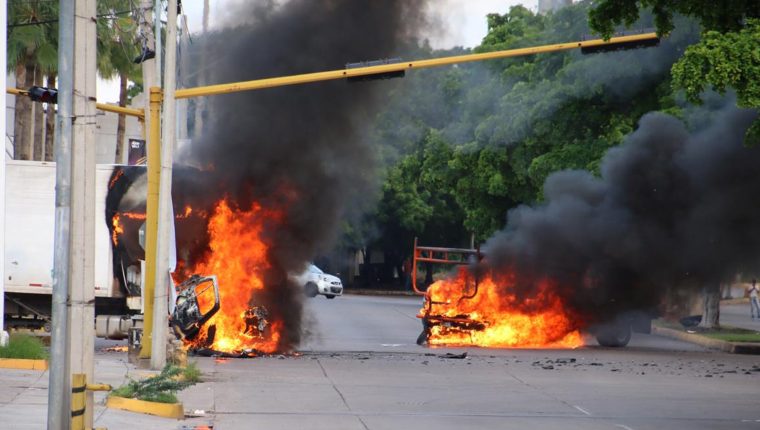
<point>315,281</point>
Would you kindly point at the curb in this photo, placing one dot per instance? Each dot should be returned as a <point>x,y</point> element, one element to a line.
<point>166,410</point>
<point>716,344</point>
<point>23,364</point>
<point>380,293</point>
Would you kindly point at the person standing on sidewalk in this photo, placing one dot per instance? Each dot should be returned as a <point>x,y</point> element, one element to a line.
<point>754,302</point>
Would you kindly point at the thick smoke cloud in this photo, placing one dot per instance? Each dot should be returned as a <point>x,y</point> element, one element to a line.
<point>672,209</point>
<point>297,148</point>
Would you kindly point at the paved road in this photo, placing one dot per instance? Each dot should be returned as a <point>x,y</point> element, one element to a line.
<point>362,370</point>
<point>388,324</point>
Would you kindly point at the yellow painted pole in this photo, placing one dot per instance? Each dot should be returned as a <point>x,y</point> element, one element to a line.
<point>139,113</point>
<point>16,91</point>
<point>151,217</point>
<point>78,400</point>
<point>79,388</point>
<point>397,67</point>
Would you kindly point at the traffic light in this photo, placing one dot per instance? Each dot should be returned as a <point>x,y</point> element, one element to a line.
<point>375,76</point>
<point>43,95</point>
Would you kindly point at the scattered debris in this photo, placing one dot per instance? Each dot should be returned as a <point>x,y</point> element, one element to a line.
<point>455,356</point>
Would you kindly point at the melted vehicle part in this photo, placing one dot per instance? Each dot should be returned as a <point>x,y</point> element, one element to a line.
<point>188,317</point>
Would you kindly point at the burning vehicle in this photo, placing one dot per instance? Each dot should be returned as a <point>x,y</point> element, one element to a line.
<point>222,304</point>
<point>482,309</point>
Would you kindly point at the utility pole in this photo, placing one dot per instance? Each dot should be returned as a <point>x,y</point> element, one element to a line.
<point>165,213</point>
<point>157,36</point>
<point>82,229</point>
<point>59,385</point>
<point>149,81</point>
<point>200,103</point>
<point>3,44</point>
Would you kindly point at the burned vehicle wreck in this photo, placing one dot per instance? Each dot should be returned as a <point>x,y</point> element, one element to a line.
<point>473,308</point>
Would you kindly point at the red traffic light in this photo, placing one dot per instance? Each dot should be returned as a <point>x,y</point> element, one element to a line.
<point>43,95</point>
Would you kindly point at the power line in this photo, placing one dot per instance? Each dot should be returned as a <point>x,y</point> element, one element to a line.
<point>111,15</point>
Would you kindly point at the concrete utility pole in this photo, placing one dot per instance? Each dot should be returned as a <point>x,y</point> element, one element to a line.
<point>165,213</point>
<point>3,44</point>
<point>149,81</point>
<point>148,66</point>
<point>59,411</point>
<point>200,103</point>
<point>83,219</point>
<point>157,36</point>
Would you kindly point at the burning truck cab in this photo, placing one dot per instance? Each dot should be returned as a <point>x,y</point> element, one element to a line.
<point>470,308</point>
<point>222,305</point>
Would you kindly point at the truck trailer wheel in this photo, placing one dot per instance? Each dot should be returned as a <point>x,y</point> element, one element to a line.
<point>614,335</point>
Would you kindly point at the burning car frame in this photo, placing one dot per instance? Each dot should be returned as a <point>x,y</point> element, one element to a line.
<point>475,307</point>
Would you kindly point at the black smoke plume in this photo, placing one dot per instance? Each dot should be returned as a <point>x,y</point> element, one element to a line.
<point>297,148</point>
<point>672,209</point>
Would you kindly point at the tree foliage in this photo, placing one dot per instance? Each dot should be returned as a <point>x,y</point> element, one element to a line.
<point>464,145</point>
<point>716,15</point>
<point>722,61</point>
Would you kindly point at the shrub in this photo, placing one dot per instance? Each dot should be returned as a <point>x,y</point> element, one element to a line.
<point>162,387</point>
<point>24,346</point>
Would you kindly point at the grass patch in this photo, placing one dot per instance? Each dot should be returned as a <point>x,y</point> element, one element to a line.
<point>161,388</point>
<point>733,334</point>
<point>725,333</point>
<point>24,346</point>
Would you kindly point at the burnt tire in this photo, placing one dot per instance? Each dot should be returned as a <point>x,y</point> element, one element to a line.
<point>614,335</point>
<point>311,290</point>
<point>330,296</point>
<point>422,338</point>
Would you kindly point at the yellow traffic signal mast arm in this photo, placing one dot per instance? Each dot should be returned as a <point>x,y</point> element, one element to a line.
<point>406,65</point>
<point>139,113</point>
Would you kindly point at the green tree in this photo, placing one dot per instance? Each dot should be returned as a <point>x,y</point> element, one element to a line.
<point>724,60</point>
<point>31,53</point>
<point>117,47</point>
<point>717,15</point>
<point>728,55</point>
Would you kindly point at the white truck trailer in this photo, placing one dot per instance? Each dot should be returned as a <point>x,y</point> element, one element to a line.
<point>29,232</point>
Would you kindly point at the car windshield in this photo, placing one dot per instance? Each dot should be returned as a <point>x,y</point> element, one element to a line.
<point>315,269</point>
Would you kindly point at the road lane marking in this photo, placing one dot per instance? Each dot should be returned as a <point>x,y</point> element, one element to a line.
<point>392,344</point>
<point>582,410</point>
<point>624,427</point>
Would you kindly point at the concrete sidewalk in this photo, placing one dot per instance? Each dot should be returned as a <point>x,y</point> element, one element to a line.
<point>738,315</point>
<point>734,313</point>
<point>24,398</point>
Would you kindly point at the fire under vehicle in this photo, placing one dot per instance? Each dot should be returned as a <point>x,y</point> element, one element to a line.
<point>119,257</point>
<point>456,316</point>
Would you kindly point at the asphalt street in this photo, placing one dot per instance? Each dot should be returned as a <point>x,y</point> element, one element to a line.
<point>361,369</point>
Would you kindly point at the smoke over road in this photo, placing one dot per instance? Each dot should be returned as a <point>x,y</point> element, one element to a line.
<point>299,149</point>
<point>671,209</point>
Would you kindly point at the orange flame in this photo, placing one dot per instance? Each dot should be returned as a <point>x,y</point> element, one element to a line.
<point>500,317</point>
<point>118,229</point>
<point>238,257</point>
<point>118,226</point>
